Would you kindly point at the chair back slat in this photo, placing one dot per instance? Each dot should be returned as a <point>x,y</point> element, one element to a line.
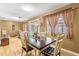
<point>48,35</point>
<point>58,44</point>
<point>23,40</point>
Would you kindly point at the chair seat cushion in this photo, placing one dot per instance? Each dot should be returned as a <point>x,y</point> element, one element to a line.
<point>48,51</point>
<point>29,48</point>
<point>47,54</point>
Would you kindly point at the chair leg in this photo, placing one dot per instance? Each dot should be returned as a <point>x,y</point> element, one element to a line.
<point>22,53</point>
<point>59,54</point>
<point>26,53</point>
<point>31,53</point>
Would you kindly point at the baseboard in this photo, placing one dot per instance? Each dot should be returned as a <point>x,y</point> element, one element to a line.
<point>70,52</point>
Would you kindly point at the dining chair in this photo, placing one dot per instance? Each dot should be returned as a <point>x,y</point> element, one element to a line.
<point>4,34</point>
<point>54,51</point>
<point>48,35</point>
<point>25,46</point>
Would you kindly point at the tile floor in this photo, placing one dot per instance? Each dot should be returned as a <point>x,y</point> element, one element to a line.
<point>14,48</point>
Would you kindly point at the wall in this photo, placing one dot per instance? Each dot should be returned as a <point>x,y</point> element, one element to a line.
<point>73,44</point>
<point>7,25</point>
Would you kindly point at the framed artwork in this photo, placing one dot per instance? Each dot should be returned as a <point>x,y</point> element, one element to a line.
<point>13,27</point>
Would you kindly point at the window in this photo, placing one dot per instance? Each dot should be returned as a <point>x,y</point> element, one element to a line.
<point>60,26</point>
<point>34,27</point>
<point>48,27</point>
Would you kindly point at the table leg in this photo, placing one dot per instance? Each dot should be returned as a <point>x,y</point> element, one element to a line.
<point>35,52</point>
<point>39,53</point>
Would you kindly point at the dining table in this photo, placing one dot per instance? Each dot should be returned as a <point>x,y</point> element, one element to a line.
<point>41,44</point>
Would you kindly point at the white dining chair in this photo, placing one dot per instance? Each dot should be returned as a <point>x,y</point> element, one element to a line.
<point>25,46</point>
<point>54,51</point>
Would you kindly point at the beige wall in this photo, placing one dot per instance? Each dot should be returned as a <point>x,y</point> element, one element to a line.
<point>73,44</point>
<point>7,25</point>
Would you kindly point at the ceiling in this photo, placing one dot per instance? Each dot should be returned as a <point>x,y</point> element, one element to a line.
<point>25,11</point>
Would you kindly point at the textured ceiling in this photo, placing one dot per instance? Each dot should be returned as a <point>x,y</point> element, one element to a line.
<point>15,12</point>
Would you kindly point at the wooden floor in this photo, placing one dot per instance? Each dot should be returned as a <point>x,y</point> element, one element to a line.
<point>14,49</point>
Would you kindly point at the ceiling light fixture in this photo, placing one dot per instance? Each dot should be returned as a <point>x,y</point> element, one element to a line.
<point>27,8</point>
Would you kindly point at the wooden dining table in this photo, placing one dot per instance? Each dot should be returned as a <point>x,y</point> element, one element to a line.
<point>41,44</point>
